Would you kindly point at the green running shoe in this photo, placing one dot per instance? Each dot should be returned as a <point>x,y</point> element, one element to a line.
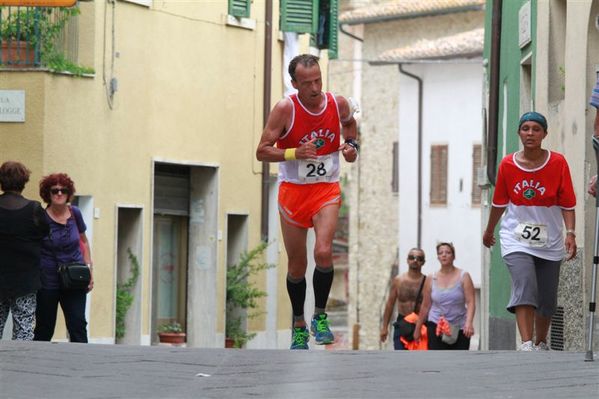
<point>299,338</point>
<point>321,331</point>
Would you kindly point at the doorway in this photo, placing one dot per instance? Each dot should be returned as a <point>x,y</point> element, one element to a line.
<point>169,271</point>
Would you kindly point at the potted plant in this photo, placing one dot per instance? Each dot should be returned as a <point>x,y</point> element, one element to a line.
<point>242,295</point>
<point>29,38</point>
<point>19,34</point>
<point>171,333</point>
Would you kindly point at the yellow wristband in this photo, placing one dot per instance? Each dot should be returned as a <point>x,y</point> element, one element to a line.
<point>290,154</point>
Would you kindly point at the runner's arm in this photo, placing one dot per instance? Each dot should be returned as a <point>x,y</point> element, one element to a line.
<point>349,130</point>
<point>275,125</point>
<point>570,240</point>
<point>488,235</point>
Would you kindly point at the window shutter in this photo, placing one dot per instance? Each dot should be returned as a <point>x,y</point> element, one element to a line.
<point>476,157</point>
<point>438,191</point>
<point>299,16</point>
<point>333,29</point>
<point>326,35</point>
<point>240,8</point>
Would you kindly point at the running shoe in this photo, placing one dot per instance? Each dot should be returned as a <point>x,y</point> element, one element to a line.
<point>526,347</point>
<point>542,346</point>
<point>321,331</point>
<point>299,338</point>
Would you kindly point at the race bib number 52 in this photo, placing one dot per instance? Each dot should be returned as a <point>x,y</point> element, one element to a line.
<point>314,170</point>
<point>533,235</point>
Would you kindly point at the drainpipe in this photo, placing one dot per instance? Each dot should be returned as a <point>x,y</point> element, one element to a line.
<point>265,114</point>
<point>494,91</point>
<point>342,30</point>
<point>419,224</point>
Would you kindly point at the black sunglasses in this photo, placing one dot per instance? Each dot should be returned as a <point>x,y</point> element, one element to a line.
<point>416,257</point>
<point>55,191</point>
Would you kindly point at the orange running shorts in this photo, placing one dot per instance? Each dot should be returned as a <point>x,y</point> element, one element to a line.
<point>298,203</point>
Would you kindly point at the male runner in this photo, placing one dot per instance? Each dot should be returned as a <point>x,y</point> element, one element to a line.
<point>303,133</point>
<point>408,294</point>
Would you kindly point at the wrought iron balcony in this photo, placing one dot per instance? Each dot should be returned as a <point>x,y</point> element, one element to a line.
<point>38,37</point>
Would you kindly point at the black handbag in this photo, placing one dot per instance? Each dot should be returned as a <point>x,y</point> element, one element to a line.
<point>74,276</point>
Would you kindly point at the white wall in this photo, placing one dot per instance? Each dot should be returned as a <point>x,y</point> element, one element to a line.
<point>452,104</point>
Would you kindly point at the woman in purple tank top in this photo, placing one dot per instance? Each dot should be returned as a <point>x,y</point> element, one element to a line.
<point>448,299</point>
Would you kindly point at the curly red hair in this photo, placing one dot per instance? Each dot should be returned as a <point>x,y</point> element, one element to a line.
<point>54,179</point>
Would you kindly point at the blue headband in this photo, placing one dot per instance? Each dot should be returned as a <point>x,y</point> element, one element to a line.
<point>533,117</point>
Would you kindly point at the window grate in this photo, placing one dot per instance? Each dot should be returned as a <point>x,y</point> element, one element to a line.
<point>556,334</point>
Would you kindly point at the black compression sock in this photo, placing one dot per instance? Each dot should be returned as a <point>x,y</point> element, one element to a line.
<point>296,288</point>
<point>322,281</point>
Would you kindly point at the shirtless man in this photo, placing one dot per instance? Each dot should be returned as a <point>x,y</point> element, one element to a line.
<point>405,290</point>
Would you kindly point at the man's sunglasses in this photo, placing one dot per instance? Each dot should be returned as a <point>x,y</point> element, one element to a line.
<point>55,191</point>
<point>416,257</point>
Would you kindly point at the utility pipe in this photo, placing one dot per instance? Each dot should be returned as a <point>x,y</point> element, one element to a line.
<point>265,114</point>
<point>419,223</point>
<point>494,65</point>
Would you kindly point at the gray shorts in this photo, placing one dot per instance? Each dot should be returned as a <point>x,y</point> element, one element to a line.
<point>534,282</point>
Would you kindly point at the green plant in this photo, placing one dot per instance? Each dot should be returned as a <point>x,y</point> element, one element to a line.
<point>20,25</point>
<point>242,294</point>
<point>170,327</point>
<point>41,28</point>
<point>124,296</point>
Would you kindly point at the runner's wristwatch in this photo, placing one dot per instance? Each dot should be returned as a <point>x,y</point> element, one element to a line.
<point>353,143</point>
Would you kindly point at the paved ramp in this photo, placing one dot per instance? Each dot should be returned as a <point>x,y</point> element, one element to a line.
<point>61,370</point>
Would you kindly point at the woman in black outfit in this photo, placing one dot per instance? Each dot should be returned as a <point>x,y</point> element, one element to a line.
<point>22,227</point>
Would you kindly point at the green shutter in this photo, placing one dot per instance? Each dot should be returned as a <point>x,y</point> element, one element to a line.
<point>299,16</point>
<point>333,29</point>
<point>240,8</point>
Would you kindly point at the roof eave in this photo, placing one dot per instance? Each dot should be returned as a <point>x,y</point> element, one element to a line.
<point>473,58</point>
<point>386,18</point>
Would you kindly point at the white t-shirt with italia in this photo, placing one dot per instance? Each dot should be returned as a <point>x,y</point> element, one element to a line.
<point>534,198</point>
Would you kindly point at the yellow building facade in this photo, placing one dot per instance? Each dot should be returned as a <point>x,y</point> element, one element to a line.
<point>160,140</point>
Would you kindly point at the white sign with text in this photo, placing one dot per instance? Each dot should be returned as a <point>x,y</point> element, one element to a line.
<point>12,105</point>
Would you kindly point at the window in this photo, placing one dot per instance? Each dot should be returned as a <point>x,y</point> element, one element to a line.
<point>240,8</point>
<point>317,18</point>
<point>476,157</point>
<point>438,192</point>
<point>395,168</point>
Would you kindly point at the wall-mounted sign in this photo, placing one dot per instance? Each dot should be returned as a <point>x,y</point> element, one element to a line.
<point>12,105</point>
<point>38,3</point>
<point>524,31</point>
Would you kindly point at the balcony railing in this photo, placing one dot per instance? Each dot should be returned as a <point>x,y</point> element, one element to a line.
<point>38,37</point>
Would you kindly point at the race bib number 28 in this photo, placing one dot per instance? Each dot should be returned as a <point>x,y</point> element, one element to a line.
<point>315,169</point>
<point>533,235</point>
